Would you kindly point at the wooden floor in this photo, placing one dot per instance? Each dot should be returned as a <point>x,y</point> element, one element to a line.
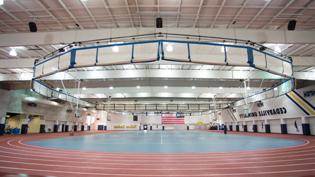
<point>19,158</point>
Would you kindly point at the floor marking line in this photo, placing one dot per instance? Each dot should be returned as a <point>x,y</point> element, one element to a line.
<point>158,169</point>
<point>153,164</point>
<point>102,174</point>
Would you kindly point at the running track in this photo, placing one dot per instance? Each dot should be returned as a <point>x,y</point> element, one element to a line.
<point>19,158</point>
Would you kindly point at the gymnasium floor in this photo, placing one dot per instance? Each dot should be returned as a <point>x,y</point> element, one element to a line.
<point>165,142</point>
<point>18,157</point>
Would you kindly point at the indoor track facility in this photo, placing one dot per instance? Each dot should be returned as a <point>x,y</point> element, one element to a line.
<point>157,88</point>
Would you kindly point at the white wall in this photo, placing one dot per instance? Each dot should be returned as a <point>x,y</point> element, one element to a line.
<point>121,119</point>
<point>292,114</point>
<point>195,119</point>
<point>15,101</point>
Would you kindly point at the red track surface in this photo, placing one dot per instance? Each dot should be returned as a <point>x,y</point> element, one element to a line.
<point>19,158</point>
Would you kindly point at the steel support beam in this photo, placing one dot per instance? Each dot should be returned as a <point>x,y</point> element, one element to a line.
<point>150,73</point>
<point>29,62</point>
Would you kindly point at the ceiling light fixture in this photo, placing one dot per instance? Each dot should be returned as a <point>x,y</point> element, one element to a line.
<point>165,86</point>
<point>220,88</point>
<point>115,49</point>
<point>54,68</point>
<point>83,88</point>
<point>1,2</point>
<point>278,49</point>
<point>169,48</point>
<point>138,86</point>
<point>193,87</point>
<point>248,88</point>
<point>13,53</point>
<point>57,88</point>
<point>111,87</point>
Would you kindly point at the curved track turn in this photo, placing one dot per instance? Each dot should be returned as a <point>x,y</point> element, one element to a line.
<point>16,157</point>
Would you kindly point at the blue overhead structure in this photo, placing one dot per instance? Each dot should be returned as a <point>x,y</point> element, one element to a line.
<point>176,48</point>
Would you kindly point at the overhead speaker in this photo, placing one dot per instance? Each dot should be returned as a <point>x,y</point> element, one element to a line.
<point>291,25</point>
<point>159,22</point>
<point>32,26</point>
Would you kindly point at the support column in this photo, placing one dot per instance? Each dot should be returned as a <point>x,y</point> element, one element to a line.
<point>306,126</point>
<point>284,129</point>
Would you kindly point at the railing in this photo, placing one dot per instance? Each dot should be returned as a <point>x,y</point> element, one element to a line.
<point>164,47</point>
<point>157,107</point>
<point>279,90</point>
<point>42,89</point>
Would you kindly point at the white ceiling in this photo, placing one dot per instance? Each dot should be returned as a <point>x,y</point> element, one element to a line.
<point>54,15</point>
<point>57,15</point>
<point>51,15</point>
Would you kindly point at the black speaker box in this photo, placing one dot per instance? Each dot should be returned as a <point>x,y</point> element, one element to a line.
<point>159,23</point>
<point>291,25</point>
<point>32,26</point>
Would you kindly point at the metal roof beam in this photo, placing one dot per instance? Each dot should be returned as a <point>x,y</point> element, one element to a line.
<point>217,14</point>
<point>71,15</point>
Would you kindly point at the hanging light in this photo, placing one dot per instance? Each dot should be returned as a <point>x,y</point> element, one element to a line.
<point>13,52</point>
<point>169,48</point>
<point>1,2</point>
<point>278,49</point>
<point>115,49</point>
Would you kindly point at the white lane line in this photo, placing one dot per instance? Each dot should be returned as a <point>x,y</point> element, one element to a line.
<point>148,160</point>
<point>157,169</point>
<point>146,175</point>
<point>42,154</point>
<point>154,164</point>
